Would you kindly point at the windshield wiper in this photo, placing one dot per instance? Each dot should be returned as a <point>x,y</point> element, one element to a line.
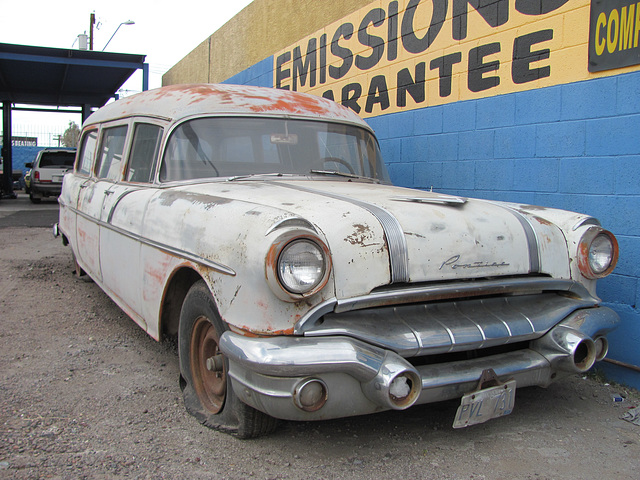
<point>344,174</point>
<point>252,175</point>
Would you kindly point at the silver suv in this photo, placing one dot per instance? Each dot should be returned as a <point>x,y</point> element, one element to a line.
<point>48,169</point>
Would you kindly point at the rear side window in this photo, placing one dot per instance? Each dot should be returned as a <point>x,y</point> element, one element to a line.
<point>57,159</point>
<point>111,152</point>
<point>144,151</point>
<point>87,152</point>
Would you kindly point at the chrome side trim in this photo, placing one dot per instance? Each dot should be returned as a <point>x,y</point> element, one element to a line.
<point>115,204</point>
<point>398,251</point>
<point>160,246</point>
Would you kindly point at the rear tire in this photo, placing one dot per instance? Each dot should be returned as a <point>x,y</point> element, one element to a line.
<point>34,199</point>
<point>208,394</point>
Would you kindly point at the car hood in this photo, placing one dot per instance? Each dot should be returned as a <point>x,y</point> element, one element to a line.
<point>381,234</point>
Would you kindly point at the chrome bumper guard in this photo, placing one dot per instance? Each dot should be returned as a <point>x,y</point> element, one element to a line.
<point>357,378</point>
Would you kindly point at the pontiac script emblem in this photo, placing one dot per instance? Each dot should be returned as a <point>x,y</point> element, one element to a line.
<point>453,263</point>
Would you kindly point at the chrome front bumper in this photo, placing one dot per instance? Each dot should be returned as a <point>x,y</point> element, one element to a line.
<point>360,378</point>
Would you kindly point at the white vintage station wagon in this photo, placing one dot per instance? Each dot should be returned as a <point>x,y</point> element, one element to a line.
<point>260,227</point>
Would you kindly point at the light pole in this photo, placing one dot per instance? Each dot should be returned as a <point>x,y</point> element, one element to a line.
<point>128,22</point>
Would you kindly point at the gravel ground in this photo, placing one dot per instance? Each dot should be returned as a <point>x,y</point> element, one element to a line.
<point>85,393</point>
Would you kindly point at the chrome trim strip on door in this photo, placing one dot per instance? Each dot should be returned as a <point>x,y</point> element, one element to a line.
<point>160,246</point>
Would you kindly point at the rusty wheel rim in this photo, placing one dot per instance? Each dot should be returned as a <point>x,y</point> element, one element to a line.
<point>210,386</point>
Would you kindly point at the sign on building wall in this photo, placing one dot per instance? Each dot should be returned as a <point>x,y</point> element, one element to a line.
<point>406,54</point>
<point>24,141</point>
<point>614,34</point>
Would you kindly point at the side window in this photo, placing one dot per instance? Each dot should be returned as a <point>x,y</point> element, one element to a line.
<point>87,152</point>
<point>111,150</point>
<point>144,150</point>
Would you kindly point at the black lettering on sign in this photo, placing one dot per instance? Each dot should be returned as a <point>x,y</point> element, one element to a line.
<point>476,80</point>
<point>375,17</point>
<point>406,84</point>
<point>323,58</point>
<point>494,12</point>
<point>378,93</point>
<point>301,69</point>
<point>410,40</point>
<point>445,67</point>
<point>523,57</point>
<point>345,30</point>
<point>351,93</point>
<point>329,95</point>
<point>282,74</point>
<point>538,7</point>
<point>392,32</point>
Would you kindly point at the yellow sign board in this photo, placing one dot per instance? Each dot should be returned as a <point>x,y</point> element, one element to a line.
<point>400,55</point>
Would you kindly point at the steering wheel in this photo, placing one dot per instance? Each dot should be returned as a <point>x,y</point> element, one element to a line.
<point>339,161</point>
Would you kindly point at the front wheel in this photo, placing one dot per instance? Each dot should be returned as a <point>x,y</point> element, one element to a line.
<point>206,386</point>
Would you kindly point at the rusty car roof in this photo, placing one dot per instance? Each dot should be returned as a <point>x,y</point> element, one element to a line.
<point>176,102</point>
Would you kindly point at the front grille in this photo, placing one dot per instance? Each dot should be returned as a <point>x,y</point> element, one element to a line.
<point>452,326</point>
<point>466,355</point>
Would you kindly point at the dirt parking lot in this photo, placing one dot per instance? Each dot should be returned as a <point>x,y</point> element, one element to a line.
<point>84,393</point>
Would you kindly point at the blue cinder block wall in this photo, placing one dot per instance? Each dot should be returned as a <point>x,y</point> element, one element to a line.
<point>574,147</point>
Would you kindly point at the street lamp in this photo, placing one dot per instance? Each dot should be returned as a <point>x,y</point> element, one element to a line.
<point>128,22</point>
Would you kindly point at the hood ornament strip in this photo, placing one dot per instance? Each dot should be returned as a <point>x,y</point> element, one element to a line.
<point>398,251</point>
<point>435,199</point>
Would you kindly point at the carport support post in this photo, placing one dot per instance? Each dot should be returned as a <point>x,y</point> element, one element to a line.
<point>145,77</point>
<point>7,160</point>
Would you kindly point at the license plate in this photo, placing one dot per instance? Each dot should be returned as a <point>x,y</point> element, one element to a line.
<point>482,405</point>
<point>57,178</point>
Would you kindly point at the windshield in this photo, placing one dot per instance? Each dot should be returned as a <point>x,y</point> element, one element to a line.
<point>228,147</point>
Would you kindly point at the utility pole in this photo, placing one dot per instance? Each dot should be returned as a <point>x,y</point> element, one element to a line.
<point>92,22</point>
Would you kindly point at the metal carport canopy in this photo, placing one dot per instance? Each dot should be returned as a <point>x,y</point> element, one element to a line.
<point>63,77</point>
<point>59,77</point>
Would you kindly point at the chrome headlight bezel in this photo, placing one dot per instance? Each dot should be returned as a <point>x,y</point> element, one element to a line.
<point>597,253</point>
<point>277,259</point>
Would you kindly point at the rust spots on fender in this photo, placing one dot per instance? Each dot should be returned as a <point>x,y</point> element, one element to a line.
<point>362,236</point>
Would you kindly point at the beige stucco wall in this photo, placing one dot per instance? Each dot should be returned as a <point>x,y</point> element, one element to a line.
<point>258,31</point>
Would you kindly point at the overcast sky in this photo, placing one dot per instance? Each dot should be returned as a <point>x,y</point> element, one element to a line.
<point>165,31</point>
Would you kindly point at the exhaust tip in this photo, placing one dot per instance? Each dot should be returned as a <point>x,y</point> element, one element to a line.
<point>404,390</point>
<point>602,348</point>
<point>584,355</point>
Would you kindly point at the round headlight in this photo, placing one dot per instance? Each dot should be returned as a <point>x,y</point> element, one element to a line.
<point>598,253</point>
<point>301,266</point>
